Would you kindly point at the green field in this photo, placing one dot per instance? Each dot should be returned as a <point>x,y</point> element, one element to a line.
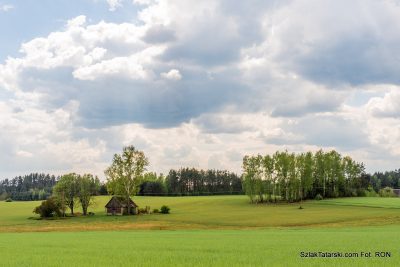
<point>205,231</point>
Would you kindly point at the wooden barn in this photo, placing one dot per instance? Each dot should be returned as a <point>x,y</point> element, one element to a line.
<point>118,206</point>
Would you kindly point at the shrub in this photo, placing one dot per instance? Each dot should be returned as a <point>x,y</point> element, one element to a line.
<point>48,208</point>
<point>387,192</point>
<point>8,200</point>
<point>318,197</point>
<point>370,192</point>
<point>361,192</point>
<point>142,211</point>
<point>165,209</point>
<point>156,211</point>
<point>91,213</point>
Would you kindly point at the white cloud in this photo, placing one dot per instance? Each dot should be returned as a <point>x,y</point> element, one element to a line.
<point>76,22</point>
<point>143,2</point>
<point>6,7</point>
<point>386,106</point>
<point>173,74</point>
<point>114,4</point>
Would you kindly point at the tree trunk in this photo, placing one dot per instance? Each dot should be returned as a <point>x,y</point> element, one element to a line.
<point>128,206</point>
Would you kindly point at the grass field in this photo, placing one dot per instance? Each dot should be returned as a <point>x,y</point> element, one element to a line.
<point>205,231</point>
<point>216,212</point>
<point>198,247</point>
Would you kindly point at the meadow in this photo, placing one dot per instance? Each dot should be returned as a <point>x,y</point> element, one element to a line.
<point>205,231</point>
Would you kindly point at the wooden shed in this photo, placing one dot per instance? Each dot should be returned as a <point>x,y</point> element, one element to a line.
<point>118,206</point>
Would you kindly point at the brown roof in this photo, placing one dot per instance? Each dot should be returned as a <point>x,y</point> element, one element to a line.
<point>119,202</point>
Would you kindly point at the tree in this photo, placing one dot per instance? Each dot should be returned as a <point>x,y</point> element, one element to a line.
<point>268,170</point>
<point>251,174</point>
<point>66,191</point>
<point>125,173</point>
<point>87,187</point>
<point>282,165</point>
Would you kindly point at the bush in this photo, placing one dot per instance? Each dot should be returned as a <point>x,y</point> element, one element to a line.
<point>387,192</point>
<point>8,200</point>
<point>91,213</point>
<point>165,209</point>
<point>318,197</point>
<point>156,211</point>
<point>48,208</point>
<point>370,192</point>
<point>361,192</point>
<point>142,211</point>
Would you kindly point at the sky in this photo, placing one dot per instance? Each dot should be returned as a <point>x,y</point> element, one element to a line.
<point>196,83</point>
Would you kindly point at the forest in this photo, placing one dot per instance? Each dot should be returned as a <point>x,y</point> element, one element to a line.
<point>34,186</point>
<point>190,181</point>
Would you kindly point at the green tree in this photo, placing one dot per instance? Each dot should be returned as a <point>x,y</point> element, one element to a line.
<point>269,176</point>
<point>251,174</point>
<point>282,165</point>
<point>125,173</point>
<point>87,187</point>
<point>66,191</point>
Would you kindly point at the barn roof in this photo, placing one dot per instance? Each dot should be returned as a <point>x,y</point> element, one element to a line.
<point>119,202</point>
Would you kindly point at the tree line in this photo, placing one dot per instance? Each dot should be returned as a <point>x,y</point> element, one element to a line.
<point>380,180</point>
<point>294,177</point>
<point>34,186</point>
<point>281,176</point>
<point>190,181</point>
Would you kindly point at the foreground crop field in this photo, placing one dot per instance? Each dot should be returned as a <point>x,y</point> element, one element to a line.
<point>216,212</point>
<point>199,247</point>
<point>205,231</point>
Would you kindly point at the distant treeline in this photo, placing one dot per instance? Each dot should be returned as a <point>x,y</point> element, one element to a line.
<point>293,177</point>
<point>182,182</point>
<point>380,180</point>
<point>190,181</point>
<point>35,186</point>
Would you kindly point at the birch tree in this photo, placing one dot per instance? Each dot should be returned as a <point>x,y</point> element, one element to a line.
<point>125,173</point>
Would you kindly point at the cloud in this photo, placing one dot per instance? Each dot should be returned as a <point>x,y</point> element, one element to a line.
<point>159,34</point>
<point>6,7</point>
<point>173,74</point>
<point>222,123</point>
<point>341,42</point>
<point>114,4</point>
<point>185,80</point>
<point>331,131</point>
<point>386,106</point>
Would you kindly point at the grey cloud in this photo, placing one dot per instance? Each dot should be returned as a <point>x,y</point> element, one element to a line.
<point>216,124</point>
<point>307,104</point>
<point>341,42</point>
<point>114,101</point>
<point>321,131</point>
<point>159,34</point>
<point>356,61</point>
<point>331,130</point>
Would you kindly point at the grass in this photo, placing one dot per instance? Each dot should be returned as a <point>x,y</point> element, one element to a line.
<point>205,231</point>
<point>215,212</point>
<point>199,247</point>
